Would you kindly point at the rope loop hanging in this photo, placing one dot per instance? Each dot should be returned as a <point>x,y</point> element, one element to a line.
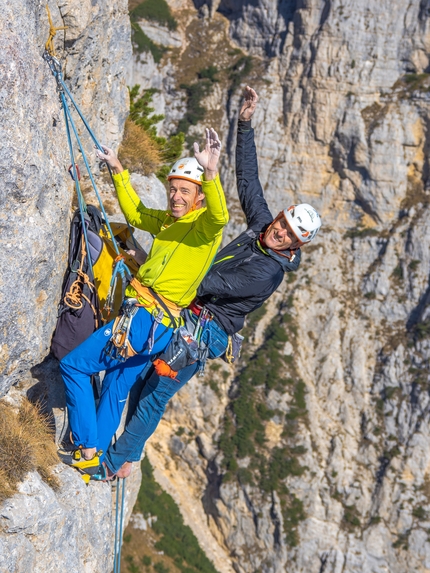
<point>120,269</point>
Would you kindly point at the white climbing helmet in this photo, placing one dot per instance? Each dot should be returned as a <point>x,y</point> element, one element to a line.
<point>304,221</point>
<point>187,168</point>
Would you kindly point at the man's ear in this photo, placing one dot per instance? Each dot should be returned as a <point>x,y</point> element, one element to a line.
<point>200,195</point>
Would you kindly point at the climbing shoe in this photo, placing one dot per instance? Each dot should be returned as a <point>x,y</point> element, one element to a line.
<point>75,459</point>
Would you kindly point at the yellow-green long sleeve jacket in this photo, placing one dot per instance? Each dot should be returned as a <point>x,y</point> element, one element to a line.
<point>184,248</point>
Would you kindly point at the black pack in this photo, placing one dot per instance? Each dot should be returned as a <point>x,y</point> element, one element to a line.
<point>79,309</point>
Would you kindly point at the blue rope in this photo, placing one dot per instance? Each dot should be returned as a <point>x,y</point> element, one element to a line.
<point>91,175</point>
<point>121,522</point>
<point>120,266</point>
<point>96,142</point>
<point>118,530</point>
<point>115,551</point>
<point>81,201</point>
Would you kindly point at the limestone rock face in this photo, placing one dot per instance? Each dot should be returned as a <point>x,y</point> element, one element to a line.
<point>36,191</point>
<point>72,528</point>
<point>342,124</point>
<point>44,531</point>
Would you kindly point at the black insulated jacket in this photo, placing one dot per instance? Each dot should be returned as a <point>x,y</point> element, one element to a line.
<point>243,276</point>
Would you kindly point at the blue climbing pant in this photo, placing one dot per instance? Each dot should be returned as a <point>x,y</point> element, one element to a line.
<point>149,408</point>
<point>89,429</point>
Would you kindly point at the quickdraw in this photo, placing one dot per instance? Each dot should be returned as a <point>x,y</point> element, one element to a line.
<point>119,346</point>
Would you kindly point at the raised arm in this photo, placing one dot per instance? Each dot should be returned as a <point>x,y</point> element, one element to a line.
<point>131,205</point>
<point>248,184</point>
<point>216,215</point>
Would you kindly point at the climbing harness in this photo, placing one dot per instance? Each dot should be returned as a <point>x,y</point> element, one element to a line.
<point>183,350</point>
<point>120,268</point>
<point>119,346</point>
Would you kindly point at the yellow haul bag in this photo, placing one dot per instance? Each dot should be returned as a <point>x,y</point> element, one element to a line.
<point>103,266</point>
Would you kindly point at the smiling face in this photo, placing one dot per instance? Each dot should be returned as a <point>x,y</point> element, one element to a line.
<point>183,195</point>
<point>279,236</point>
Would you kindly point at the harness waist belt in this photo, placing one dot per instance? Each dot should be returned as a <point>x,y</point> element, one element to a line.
<point>195,306</point>
<point>148,301</point>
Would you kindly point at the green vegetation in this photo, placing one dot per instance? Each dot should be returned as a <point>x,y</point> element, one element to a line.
<point>209,74</point>
<point>350,517</point>
<point>293,513</point>
<point>155,10</point>
<point>244,430</point>
<point>406,86</point>
<point>413,265</point>
<point>195,110</point>
<point>398,274</point>
<point>360,232</point>
<point>198,90</point>
<point>417,82</point>
<point>370,295</point>
<point>239,71</point>
<point>391,392</point>
<point>142,115</point>
<point>195,92</point>
<point>142,43</point>
<point>176,539</point>
<point>392,453</point>
<point>375,519</point>
<point>131,565</point>
<point>419,513</point>
<point>402,540</point>
<point>161,568</point>
<point>422,330</point>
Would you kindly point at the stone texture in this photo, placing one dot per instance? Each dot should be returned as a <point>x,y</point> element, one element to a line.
<point>73,528</point>
<point>337,127</point>
<point>340,125</point>
<point>36,189</point>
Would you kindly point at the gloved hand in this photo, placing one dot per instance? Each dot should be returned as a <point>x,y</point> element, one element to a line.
<point>110,158</point>
<point>209,156</point>
<point>249,105</point>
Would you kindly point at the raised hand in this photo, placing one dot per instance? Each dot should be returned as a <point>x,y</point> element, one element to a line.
<point>249,105</point>
<point>110,158</point>
<point>209,156</point>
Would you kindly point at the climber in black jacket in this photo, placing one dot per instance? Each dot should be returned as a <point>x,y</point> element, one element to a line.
<point>244,275</point>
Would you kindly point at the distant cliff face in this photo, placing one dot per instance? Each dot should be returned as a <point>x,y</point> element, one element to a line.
<point>36,190</point>
<point>342,124</point>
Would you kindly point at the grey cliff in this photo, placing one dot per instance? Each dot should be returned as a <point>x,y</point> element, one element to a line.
<point>342,124</point>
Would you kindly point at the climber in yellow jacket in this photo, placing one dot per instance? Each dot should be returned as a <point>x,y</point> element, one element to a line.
<point>187,237</point>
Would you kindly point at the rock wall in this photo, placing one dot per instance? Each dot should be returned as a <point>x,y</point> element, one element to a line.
<point>342,124</point>
<point>36,189</point>
<point>74,527</point>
